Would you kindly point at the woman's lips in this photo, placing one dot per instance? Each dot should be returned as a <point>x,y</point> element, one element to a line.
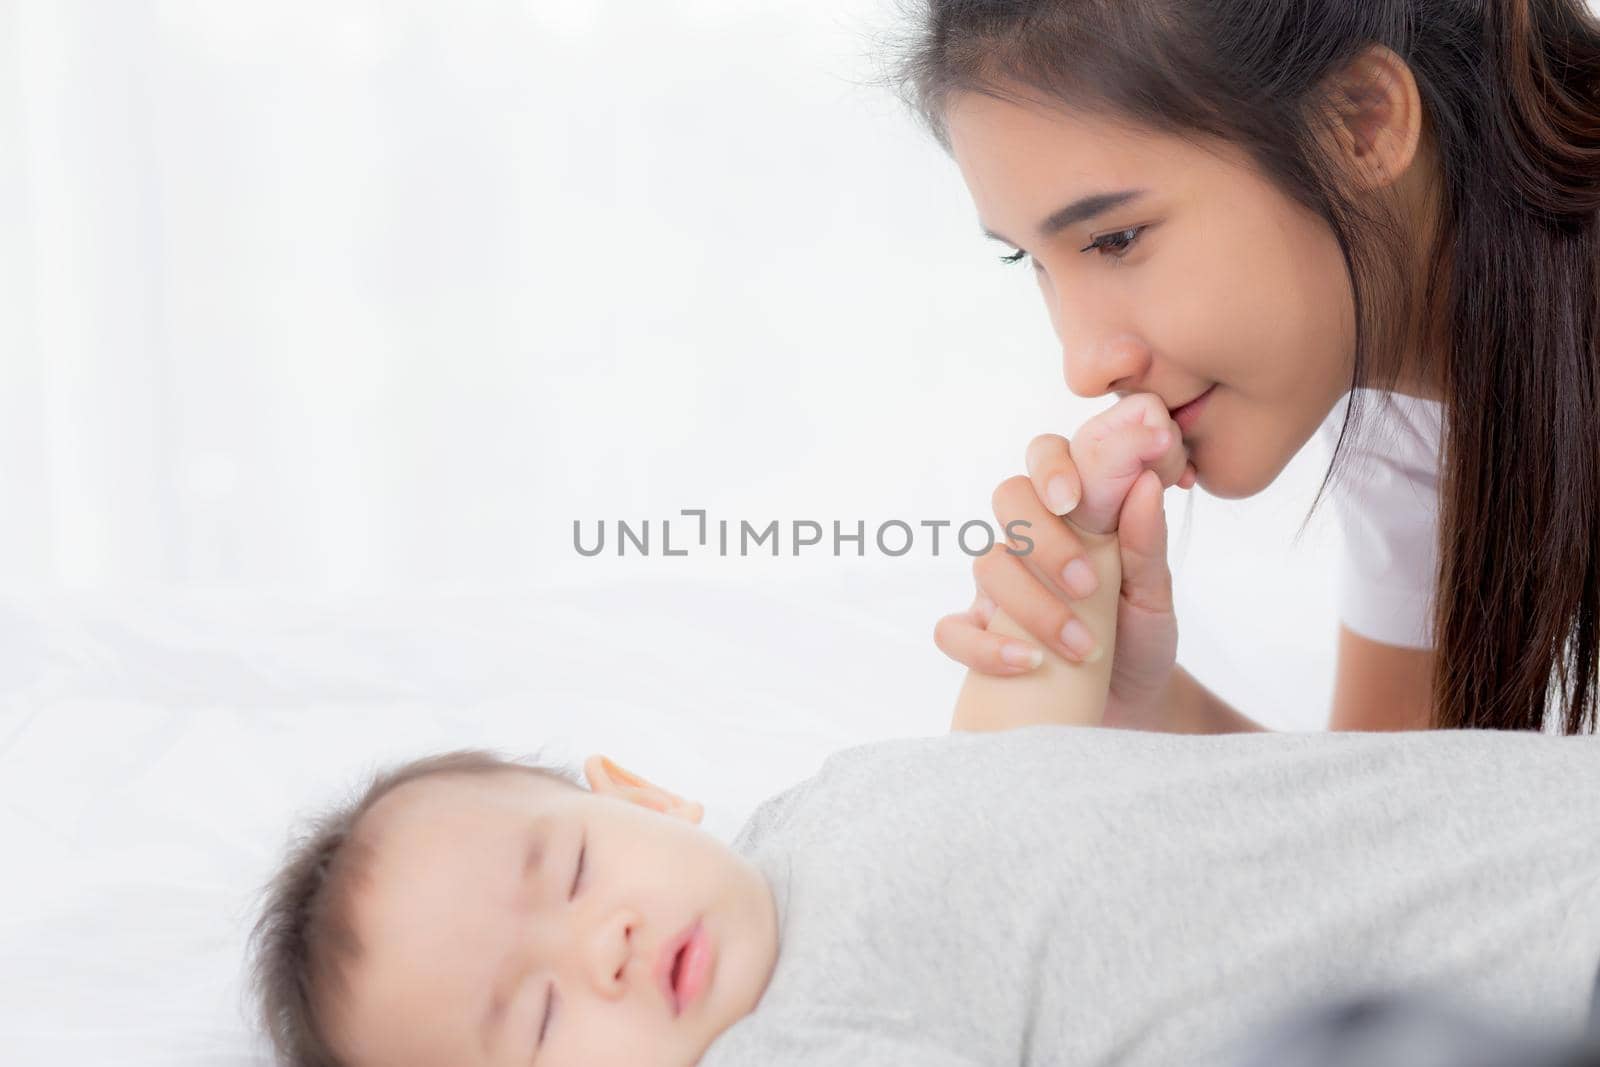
<point>1186,415</point>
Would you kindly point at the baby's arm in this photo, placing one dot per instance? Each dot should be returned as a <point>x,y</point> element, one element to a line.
<point>1058,690</point>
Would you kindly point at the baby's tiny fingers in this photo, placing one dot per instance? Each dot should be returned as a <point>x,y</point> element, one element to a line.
<point>1156,440</point>
<point>1162,450</point>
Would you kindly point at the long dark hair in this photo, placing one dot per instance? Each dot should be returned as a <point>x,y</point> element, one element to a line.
<point>1511,99</point>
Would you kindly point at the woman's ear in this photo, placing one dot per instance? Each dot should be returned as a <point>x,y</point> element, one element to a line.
<point>1379,117</point>
<point>608,779</point>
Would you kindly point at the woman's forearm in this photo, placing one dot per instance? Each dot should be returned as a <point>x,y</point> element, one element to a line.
<point>1194,709</point>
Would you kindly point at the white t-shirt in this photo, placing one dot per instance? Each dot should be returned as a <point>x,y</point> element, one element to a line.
<point>1388,505</point>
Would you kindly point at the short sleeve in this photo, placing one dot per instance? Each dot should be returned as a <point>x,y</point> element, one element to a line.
<point>1387,501</point>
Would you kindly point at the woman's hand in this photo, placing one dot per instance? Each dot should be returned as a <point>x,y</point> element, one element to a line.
<point>1116,483</point>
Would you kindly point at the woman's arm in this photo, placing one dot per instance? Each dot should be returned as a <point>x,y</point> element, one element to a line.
<point>1194,709</point>
<point>1057,691</point>
<point>1381,687</point>
<point>1377,687</point>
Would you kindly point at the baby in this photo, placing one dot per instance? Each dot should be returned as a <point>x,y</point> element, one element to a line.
<point>1029,889</point>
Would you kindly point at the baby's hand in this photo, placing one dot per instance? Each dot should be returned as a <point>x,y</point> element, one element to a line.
<point>1112,449</point>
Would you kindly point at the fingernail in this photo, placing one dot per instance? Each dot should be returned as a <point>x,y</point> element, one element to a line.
<point>1079,578</point>
<point>1059,496</point>
<point>1021,655</point>
<point>1076,637</point>
<point>984,606</point>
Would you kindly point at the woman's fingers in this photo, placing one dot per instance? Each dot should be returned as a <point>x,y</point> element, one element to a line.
<point>964,641</point>
<point>982,609</point>
<point>1035,580</point>
<point>1054,475</point>
<point>1038,611</point>
<point>1054,546</point>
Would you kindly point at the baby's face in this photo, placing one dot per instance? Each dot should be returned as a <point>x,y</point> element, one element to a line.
<point>472,955</point>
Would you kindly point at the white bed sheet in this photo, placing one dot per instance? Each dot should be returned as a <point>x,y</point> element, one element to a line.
<point>155,749</point>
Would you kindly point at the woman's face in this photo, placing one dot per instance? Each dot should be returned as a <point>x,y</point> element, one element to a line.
<point>1225,281</point>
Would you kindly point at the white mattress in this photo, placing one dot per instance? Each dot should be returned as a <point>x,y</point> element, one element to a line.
<point>154,751</point>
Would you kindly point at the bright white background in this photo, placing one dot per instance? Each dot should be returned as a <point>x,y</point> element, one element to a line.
<point>351,297</point>
<point>321,324</point>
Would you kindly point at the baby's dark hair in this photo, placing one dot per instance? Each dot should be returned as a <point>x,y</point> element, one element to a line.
<point>304,939</point>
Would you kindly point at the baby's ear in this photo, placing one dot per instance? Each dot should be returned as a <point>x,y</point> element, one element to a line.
<point>608,779</point>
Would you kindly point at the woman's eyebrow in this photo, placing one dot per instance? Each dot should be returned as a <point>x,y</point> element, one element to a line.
<point>1079,210</point>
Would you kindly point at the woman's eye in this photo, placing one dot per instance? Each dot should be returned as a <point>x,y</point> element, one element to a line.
<point>1117,244</point>
<point>1120,241</point>
<point>577,875</point>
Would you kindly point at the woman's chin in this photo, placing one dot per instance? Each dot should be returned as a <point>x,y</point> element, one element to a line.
<point>1227,481</point>
<point>1239,457</point>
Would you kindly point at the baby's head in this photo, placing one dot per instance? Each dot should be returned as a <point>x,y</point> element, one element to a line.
<point>472,911</point>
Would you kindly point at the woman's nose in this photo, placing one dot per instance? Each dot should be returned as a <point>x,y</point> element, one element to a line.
<point>1094,369</point>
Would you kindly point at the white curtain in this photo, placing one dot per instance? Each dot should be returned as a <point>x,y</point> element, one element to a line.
<point>352,296</point>
<point>342,295</point>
